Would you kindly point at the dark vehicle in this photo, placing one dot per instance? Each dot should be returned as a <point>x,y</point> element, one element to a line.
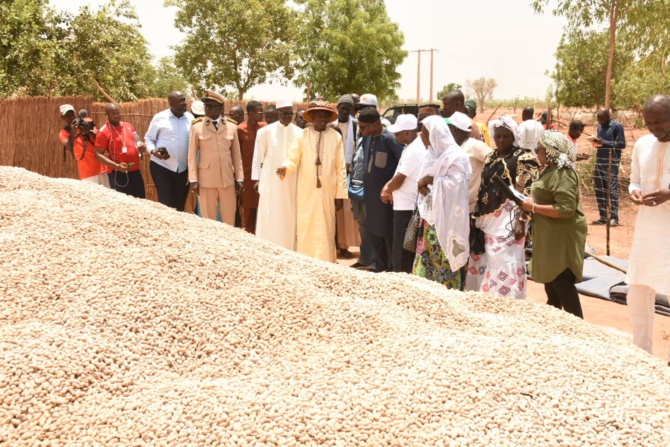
<point>403,109</point>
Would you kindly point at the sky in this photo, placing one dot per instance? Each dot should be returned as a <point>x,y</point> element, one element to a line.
<point>504,40</point>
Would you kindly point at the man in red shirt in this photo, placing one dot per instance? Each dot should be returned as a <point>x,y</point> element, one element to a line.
<point>78,136</point>
<point>118,147</point>
<point>246,133</point>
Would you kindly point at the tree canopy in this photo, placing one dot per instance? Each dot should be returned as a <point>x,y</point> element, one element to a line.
<point>639,50</point>
<point>349,46</point>
<point>46,52</point>
<point>230,43</point>
<point>446,89</point>
<point>482,88</point>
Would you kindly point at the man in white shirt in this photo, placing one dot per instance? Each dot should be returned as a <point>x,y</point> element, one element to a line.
<point>276,220</point>
<point>530,131</point>
<point>402,190</point>
<point>460,126</point>
<point>649,270</point>
<point>167,142</point>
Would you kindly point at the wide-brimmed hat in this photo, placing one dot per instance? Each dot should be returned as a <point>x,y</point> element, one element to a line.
<point>319,106</point>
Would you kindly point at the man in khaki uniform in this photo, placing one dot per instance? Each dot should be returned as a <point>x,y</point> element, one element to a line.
<point>214,161</point>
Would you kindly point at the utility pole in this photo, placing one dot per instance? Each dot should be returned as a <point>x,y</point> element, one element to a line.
<point>431,99</point>
<point>418,74</point>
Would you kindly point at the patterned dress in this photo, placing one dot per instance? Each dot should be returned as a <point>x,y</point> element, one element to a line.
<point>431,262</point>
<point>501,269</point>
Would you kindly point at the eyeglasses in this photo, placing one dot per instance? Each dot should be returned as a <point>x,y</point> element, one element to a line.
<point>286,113</point>
<point>213,106</point>
<point>260,112</point>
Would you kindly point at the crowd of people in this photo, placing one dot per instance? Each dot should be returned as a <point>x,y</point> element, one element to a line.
<point>437,195</point>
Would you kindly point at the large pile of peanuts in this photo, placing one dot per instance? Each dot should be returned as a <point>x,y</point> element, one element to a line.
<point>125,323</point>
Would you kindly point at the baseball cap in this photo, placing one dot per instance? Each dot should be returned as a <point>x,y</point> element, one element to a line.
<point>368,99</point>
<point>404,122</point>
<point>461,121</point>
<point>198,107</point>
<point>66,108</point>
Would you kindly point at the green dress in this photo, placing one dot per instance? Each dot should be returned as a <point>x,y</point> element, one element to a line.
<point>558,243</point>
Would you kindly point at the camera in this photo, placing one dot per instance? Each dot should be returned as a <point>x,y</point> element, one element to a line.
<point>84,124</point>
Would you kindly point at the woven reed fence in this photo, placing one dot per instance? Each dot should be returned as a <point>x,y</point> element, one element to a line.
<point>29,130</point>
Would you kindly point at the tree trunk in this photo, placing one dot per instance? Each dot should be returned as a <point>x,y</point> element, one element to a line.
<point>614,17</point>
<point>240,93</point>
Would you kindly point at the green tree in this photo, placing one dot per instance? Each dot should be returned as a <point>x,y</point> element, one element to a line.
<point>236,43</point>
<point>640,20</point>
<point>166,77</point>
<point>580,71</point>
<point>30,38</point>
<point>106,46</point>
<point>350,46</point>
<point>447,88</point>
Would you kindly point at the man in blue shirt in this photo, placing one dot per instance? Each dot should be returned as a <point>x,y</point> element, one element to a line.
<point>611,140</point>
<point>167,142</point>
<point>382,154</point>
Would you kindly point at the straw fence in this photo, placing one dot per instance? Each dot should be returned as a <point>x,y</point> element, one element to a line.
<point>29,130</point>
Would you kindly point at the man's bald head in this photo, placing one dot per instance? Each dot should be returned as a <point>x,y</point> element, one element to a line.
<point>113,112</point>
<point>603,116</point>
<point>656,113</point>
<point>178,103</point>
<point>528,113</point>
<point>452,102</point>
<point>658,102</point>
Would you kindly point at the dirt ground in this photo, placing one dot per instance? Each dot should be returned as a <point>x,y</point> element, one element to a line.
<point>610,316</point>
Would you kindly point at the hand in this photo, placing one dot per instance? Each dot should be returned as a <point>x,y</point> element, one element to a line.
<point>348,168</point>
<point>256,186</point>
<point>657,197</point>
<point>427,180</point>
<point>527,205</point>
<point>160,153</point>
<point>581,157</point>
<point>386,196</point>
<point>519,230</point>
<point>636,197</point>
<point>281,172</point>
<point>194,188</point>
<point>339,203</point>
<point>598,141</point>
<point>423,190</point>
<point>239,187</point>
<point>141,147</point>
<point>122,167</point>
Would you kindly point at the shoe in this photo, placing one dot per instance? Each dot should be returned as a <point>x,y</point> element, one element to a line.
<point>600,222</point>
<point>358,265</point>
<point>344,253</point>
<point>614,223</point>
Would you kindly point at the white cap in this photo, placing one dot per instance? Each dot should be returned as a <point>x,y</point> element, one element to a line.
<point>404,122</point>
<point>368,99</point>
<point>198,107</point>
<point>66,108</point>
<point>460,121</point>
<point>284,102</point>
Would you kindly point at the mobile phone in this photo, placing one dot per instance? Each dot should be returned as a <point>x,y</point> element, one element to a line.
<point>130,165</point>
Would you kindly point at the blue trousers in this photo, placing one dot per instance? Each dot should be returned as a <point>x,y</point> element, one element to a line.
<point>367,246</point>
<point>602,183</point>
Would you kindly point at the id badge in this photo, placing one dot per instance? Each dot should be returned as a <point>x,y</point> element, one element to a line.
<point>124,150</point>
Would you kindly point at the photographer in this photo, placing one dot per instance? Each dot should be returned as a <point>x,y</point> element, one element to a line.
<point>78,137</point>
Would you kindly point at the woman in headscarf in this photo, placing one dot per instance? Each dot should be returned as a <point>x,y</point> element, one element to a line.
<point>500,268</point>
<point>559,225</point>
<point>442,248</point>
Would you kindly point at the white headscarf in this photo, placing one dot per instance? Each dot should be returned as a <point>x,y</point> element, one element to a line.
<point>508,123</point>
<point>446,205</point>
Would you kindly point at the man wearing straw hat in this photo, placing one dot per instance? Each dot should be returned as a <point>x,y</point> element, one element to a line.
<point>318,157</point>
<point>276,220</point>
<point>215,162</point>
<point>167,142</point>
